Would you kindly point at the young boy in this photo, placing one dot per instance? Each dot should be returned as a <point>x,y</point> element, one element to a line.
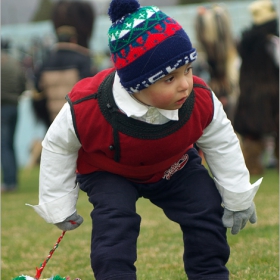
<point>128,132</point>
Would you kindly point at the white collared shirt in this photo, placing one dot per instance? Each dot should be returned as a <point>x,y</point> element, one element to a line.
<point>58,193</point>
<point>137,110</point>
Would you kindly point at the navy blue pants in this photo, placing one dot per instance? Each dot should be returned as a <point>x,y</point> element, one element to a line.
<point>190,198</point>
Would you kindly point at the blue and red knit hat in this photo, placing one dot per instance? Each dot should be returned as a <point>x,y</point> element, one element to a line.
<point>145,44</point>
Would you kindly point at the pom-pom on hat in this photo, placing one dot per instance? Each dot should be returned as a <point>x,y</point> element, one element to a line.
<point>145,44</point>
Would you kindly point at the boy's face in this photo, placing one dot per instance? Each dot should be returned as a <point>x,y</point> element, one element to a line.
<point>170,92</point>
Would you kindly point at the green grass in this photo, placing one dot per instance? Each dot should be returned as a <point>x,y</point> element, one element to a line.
<point>27,239</point>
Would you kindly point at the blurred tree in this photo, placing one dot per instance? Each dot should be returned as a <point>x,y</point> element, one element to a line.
<point>43,11</point>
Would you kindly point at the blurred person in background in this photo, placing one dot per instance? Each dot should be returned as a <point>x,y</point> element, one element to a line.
<point>219,54</point>
<point>257,112</point>
<point>13,84</point>
<point>69,61</point>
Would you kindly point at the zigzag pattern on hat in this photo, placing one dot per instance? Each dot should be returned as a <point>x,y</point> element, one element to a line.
<point>134,25</point>
<point>149,38</point>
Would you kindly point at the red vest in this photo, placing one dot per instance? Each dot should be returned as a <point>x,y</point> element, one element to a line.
<point>139,151</point>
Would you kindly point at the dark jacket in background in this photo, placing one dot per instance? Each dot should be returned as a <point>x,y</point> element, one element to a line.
<point>257,112</point>
<point>13,80</point>
<point>67,64</point>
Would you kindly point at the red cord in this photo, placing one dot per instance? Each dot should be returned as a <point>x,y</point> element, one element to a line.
<point>40,270</point>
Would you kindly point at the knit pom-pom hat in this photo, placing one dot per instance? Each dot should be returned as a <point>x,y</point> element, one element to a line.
<point>145,44</point>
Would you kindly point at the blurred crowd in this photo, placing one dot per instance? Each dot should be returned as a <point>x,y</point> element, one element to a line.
<point>244,74</point>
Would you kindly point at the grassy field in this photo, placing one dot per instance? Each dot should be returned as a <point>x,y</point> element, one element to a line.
<point>27,239</point>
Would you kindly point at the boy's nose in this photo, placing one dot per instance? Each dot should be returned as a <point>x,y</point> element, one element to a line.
<point>183,84</point>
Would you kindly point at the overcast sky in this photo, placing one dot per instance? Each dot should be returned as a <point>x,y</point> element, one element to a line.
<point>21,11</point>
<point>17,11</point>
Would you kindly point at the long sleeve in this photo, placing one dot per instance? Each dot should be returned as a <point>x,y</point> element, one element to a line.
<point>58,192</point>
<point>224,157</point>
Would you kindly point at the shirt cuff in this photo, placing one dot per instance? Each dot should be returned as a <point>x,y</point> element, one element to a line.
<point>58,210</point>
<point>234,201</point>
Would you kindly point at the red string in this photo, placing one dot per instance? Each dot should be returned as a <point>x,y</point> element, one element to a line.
<point>40,270</point>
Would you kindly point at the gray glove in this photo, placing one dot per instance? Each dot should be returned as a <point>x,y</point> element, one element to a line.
<point>71,222</point>
<point>237,220</point>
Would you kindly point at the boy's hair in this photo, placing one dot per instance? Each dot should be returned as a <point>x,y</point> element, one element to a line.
<point>145,44</point>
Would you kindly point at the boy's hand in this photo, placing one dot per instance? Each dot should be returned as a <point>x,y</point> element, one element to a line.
<point>237,220</point>
<point>71,222</point>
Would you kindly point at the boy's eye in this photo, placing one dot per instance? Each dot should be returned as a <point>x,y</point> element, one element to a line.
<point>188,70</point>
<point>169,79</point>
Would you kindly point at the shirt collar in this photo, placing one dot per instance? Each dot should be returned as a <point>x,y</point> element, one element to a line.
<point>132,107</point>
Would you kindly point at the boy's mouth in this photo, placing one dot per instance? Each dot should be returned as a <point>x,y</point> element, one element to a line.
<point>181,101</point>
